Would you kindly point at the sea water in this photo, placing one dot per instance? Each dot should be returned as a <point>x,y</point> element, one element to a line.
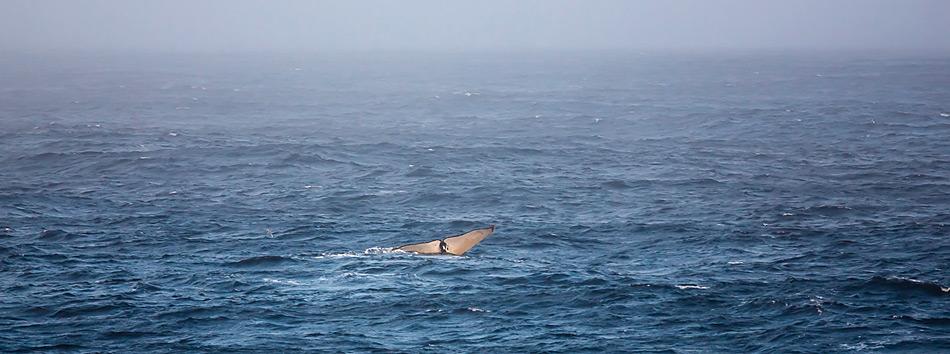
<point>671,202</point>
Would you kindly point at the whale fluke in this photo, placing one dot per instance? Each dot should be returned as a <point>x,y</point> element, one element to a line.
<point>455,245</point>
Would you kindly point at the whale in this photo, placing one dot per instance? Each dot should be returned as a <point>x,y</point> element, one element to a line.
<point>455,245</point>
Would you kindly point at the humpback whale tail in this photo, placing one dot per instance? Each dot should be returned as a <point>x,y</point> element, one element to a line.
<point>454,245</point>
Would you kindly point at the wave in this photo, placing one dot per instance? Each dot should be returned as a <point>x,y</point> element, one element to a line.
<point>908,285</point>
<point>422,171</point>
<point>262,261</point>
<point>309,159</point>
<point>929,321</point>
<point>89,310</point>
<point>616,184</point>
<point>57,235</point>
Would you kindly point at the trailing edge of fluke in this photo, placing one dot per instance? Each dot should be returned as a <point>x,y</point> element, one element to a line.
<point>454,245</point>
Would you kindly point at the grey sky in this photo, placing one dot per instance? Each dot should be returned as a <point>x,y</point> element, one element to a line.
<point>297,25</point>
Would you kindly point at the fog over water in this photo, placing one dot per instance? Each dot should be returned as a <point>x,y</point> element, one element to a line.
<point>216,25</point>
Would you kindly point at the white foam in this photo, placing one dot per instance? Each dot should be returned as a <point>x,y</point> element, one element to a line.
<point>383,250</point>
<point>388,192</point>
<point>691,286</point>
<point>861,346</point>
<point>338,255</point>
<point>279,281</point>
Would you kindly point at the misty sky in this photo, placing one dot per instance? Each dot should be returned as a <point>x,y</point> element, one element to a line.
<point>299,25</point>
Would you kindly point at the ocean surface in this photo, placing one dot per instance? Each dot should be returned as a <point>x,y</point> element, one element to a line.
<point>645,202</point>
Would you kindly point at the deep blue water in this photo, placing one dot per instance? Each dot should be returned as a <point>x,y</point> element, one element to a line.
<point>644,202</point>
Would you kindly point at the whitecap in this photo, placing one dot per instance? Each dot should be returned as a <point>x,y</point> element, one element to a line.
<point>279,281</point>
<point>691,286</point>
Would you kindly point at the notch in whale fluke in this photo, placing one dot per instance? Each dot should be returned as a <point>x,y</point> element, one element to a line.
<point>454,245</point>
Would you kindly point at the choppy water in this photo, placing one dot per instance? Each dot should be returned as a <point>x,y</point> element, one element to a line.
<point>644,203</point>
